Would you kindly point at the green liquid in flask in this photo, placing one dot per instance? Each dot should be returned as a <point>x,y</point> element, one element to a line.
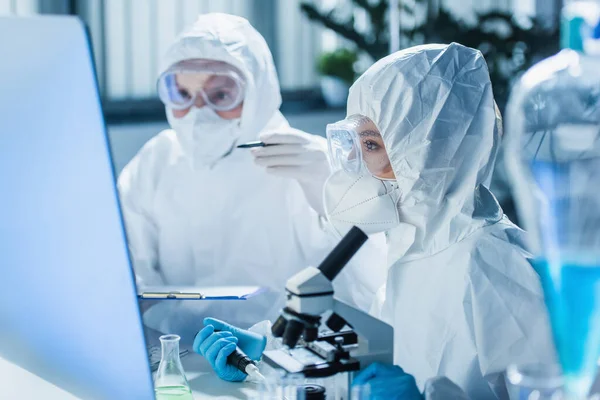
<point>170,382</point>
<point>173,393</point>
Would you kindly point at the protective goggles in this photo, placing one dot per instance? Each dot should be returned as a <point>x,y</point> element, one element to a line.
<point>356,146</point>
<point>215,84</point>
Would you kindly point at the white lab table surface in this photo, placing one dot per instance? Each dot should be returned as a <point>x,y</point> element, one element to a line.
<point>206,384</point>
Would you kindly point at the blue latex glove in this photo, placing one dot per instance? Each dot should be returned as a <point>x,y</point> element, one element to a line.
<point>217,346</point>
<point>251,343</point>
<point>388,382</point>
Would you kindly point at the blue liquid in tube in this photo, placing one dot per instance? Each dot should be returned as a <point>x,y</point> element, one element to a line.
<point>572,295</point>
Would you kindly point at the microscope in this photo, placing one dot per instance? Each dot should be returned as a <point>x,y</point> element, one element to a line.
<point>322,336</point>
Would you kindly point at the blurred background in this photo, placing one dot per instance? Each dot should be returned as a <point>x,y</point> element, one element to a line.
<point>319,48</point>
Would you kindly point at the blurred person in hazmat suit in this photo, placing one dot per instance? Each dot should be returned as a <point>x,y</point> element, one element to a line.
<point>201,212</point>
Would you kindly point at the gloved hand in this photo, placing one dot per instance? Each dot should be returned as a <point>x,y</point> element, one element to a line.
<point>388,382</point>
<point>217,346</point>
<point>298,155</point>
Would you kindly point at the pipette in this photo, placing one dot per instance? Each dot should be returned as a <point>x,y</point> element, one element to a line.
<point>245,364</point>
<point>241,361</point>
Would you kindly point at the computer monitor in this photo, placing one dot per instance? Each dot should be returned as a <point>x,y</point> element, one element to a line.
<point>68,308</point>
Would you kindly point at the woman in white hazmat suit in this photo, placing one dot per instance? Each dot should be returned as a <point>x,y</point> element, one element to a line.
<point>200,212</point>
<point>460,294</point>
<point>414,158</point>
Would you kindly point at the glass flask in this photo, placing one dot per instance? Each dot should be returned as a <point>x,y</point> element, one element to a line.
<point>170,382</point>
<point>553,159</point>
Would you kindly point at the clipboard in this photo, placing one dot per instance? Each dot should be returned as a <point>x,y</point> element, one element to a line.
<point>199,293</point>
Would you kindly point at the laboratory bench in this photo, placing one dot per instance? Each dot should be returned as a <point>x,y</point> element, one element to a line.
<point>204,383</point>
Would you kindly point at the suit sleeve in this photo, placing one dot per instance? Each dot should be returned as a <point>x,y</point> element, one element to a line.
<point>506,314</point>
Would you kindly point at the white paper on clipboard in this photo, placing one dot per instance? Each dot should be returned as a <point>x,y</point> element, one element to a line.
<point>199,293</point>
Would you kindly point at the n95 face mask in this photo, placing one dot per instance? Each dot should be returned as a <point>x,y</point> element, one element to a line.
<point>361,200</point>
<point>205,135</point>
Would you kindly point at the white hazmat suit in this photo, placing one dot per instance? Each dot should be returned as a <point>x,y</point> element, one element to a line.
<point>460,294</point>
<point>211,219</point>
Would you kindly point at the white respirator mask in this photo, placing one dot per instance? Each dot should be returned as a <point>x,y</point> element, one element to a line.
<point>361,200</point>
<point>205,135</point>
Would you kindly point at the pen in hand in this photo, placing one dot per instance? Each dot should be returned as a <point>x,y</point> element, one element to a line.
<point>250,145</point>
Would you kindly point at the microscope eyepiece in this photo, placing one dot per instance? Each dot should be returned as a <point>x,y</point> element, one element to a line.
<point>342,253</point>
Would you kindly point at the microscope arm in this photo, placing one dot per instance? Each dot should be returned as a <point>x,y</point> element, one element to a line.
<point>376,338</point>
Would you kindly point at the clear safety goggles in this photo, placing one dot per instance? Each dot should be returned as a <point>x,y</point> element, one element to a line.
<point>356,146</point>
<point>215,84</point>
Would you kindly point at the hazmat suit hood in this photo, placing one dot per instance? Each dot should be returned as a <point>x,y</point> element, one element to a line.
<point>231,39</point>
<point>462,298</point>
<point>434,107</point>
